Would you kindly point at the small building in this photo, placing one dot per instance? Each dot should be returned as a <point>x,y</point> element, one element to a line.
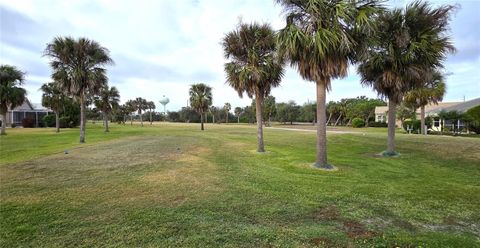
<point>432,110</point>
<point>35,112</point>
<point>461,107</point>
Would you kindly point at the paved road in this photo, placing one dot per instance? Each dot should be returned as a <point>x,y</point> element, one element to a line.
<point>311,130</point>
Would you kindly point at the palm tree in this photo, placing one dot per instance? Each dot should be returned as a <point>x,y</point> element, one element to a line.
<point>130,107</point>
<point>254,67</point>
<point>409,43</point>
<point>320,39</point>
<point>151,106</point>
<point>214,111</point>
<point>107,100</point>
<point>431,92</point>
<point>53,98</point>
<point>78,67</point>
<point>140,105</point>
<point>227,107</point>
<point>11,95</point>
<point>269,109</point>
<point>238,111</point>
<point>200,99</point>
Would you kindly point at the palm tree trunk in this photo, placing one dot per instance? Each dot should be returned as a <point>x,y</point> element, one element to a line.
<point>321,125</point>
<point>131,120</point>
<point>141,118</point>
<point>329,117</point>
<point>238,119</point>
<point>57,122</point>
<point>213,117</point>
<point>151,117</point>
<point>4,123</point>
<point>391,128</point>
<point>338,119</point>
<point>201,121</point>
<point>105,120</point>
<point>226,117</point>
<point>258,105</point>
<point>82,120</point>
<point>422,121</point>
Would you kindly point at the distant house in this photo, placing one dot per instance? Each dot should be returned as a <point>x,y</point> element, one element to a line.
<point>27,110</point>
<point>461,107</point>
<point>432,110</point>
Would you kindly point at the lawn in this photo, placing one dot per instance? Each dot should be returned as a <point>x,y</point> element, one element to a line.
<point>171,185</point>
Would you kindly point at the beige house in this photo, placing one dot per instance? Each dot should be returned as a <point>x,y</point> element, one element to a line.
<point>432,110</point>
<point>26,110</point>
<point>461,107</point>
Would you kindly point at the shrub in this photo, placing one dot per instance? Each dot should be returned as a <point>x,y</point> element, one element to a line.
<point>357,122</point>
<point>13,125</point>
<point>49,120</point>
<point>66,122</point>
<point>413,124</point>
<point>28,122</point>
<point>377,124</point>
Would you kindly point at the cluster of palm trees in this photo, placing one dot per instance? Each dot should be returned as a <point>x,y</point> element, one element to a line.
<point>395,50</point>
<point>138,105</point>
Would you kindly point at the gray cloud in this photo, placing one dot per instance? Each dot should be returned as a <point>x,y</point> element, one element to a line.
<point>16,27</point>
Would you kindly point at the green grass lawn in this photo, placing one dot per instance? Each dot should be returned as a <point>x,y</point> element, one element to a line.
<point>173,185</point>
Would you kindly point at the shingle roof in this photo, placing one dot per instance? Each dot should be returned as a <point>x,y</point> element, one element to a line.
<point>460,107</point>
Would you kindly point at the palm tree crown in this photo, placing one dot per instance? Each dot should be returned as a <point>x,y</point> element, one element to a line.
<point>432,91</point>
<point>322,37</point>
<point>254,66</point>
<point>78,65</point>
<point>11,95</point>
<point>410,43</point>
<point>200,97</point>
<point>107,99</point>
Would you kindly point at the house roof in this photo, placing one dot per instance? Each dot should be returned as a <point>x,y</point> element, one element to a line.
<point>435,108</point>
<point>28,106</point>
<point>459,107</point>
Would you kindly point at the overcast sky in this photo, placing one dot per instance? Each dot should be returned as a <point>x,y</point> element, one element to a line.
<point>162,47</point>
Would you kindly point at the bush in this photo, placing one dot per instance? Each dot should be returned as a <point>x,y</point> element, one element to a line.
<point>66,122</point>
<point>49,120</point>
<point>413,124</point>
<point>377,124</point>
<point>28,122</point>
<point>357,122</point>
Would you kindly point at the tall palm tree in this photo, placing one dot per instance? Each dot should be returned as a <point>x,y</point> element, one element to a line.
<point>141,105</point>
<point>78,67</point>
<point>227,107</point>
<point>11,94</point>
<point>200,99</point>
<point>254,67</point>
<point>409,43</point>
<point>54,98</point>
<point>321,39</point>
<point>130,107</point>
<point>431,92</point>
<point>238,111</point>
<point>107,100</point>
<point>151,106</point>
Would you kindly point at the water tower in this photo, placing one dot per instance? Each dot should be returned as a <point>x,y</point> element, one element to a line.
<point>164,101</point>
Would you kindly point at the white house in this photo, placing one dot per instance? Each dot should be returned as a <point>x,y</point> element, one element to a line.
<point>26,110</point>
<point>462,107</point>
<point>432,110</point>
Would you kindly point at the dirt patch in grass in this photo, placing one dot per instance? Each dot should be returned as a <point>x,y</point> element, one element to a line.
<point>356,230</point>
<point>330,212</point>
